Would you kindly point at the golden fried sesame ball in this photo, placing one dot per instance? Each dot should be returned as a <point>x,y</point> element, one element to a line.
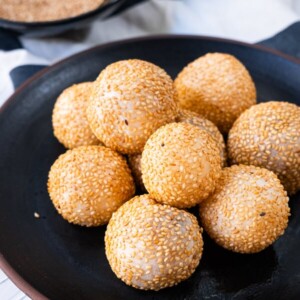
<point>134,162</point>
<point>268,135</point>
<point>69,119</point>
<point>193,118</point>
<point>87,184</point>
<point>218,87</point>
<point>248,210</point>
<point>180,165</point>
<point>132,98</point>
<point>152,246</point>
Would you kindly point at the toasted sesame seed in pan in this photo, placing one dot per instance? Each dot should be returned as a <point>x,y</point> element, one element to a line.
<point>69,119</point>
<point>248,211</point>
<point>268,135</point>
<point>218,87</point>
<point>183,172</point>
<point>87,184</point>
<point>131,99</point>
<point>151,246</point>
<point>45,10</point>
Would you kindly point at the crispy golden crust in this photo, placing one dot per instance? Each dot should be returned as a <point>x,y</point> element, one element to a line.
<point>180,165</point>
<point>193,118</point>
<point>248,210</point>
<point>89,183</point>
<point>218,87</point>
<point>152,246</point>
<point>184,116</point>
<point>132,98</point>
<point>69,119</point>
<point>268,135</point>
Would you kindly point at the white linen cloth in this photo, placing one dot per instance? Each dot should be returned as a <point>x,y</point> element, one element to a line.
<point>248,21</point>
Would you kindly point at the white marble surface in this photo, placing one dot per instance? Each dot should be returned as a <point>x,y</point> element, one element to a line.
<point>248,21</point>
<point>8,291</point>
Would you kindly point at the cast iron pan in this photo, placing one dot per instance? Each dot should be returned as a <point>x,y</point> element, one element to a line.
<point>48,28</point>
<point>49,258</point>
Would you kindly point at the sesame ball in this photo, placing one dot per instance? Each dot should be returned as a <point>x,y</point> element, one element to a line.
<point>184,116</point>
<point>151,246</point>
<point>69,119</point>
<point>218,87</point>
<point>134,162</point>
<point>132,98</point>
<point>87,184</point>
<point>193,118</point>
<point>268,135</point>
<point>248,210</point>
<point>180,165</point>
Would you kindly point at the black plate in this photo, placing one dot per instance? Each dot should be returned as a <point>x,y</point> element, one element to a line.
<point>48,28</point>
<point>63,261</point>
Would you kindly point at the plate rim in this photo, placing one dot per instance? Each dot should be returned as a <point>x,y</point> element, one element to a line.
<point>51,67</point>
<point>9,271</point>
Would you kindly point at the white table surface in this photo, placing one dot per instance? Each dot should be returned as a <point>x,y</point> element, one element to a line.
<point>248,21</point>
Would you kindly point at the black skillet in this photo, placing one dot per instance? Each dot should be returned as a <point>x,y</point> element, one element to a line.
<point>49,258</point>
<point>49,28</point>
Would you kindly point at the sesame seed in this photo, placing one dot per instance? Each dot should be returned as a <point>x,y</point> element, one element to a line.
<point>195,119</point>
<point>267,135</point>
<point>87,184</point>
<point>203,87</point>
<point>239,221</point>
<point>174,174</point>
<point>152,265</point>
<point>69,120</point>
<point>139,91</point>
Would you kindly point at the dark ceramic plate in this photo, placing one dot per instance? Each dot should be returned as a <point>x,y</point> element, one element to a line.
<point>48,256</point>
<point>38,29</point>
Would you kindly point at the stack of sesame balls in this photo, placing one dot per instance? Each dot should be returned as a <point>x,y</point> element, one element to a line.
<point>143,149</point>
